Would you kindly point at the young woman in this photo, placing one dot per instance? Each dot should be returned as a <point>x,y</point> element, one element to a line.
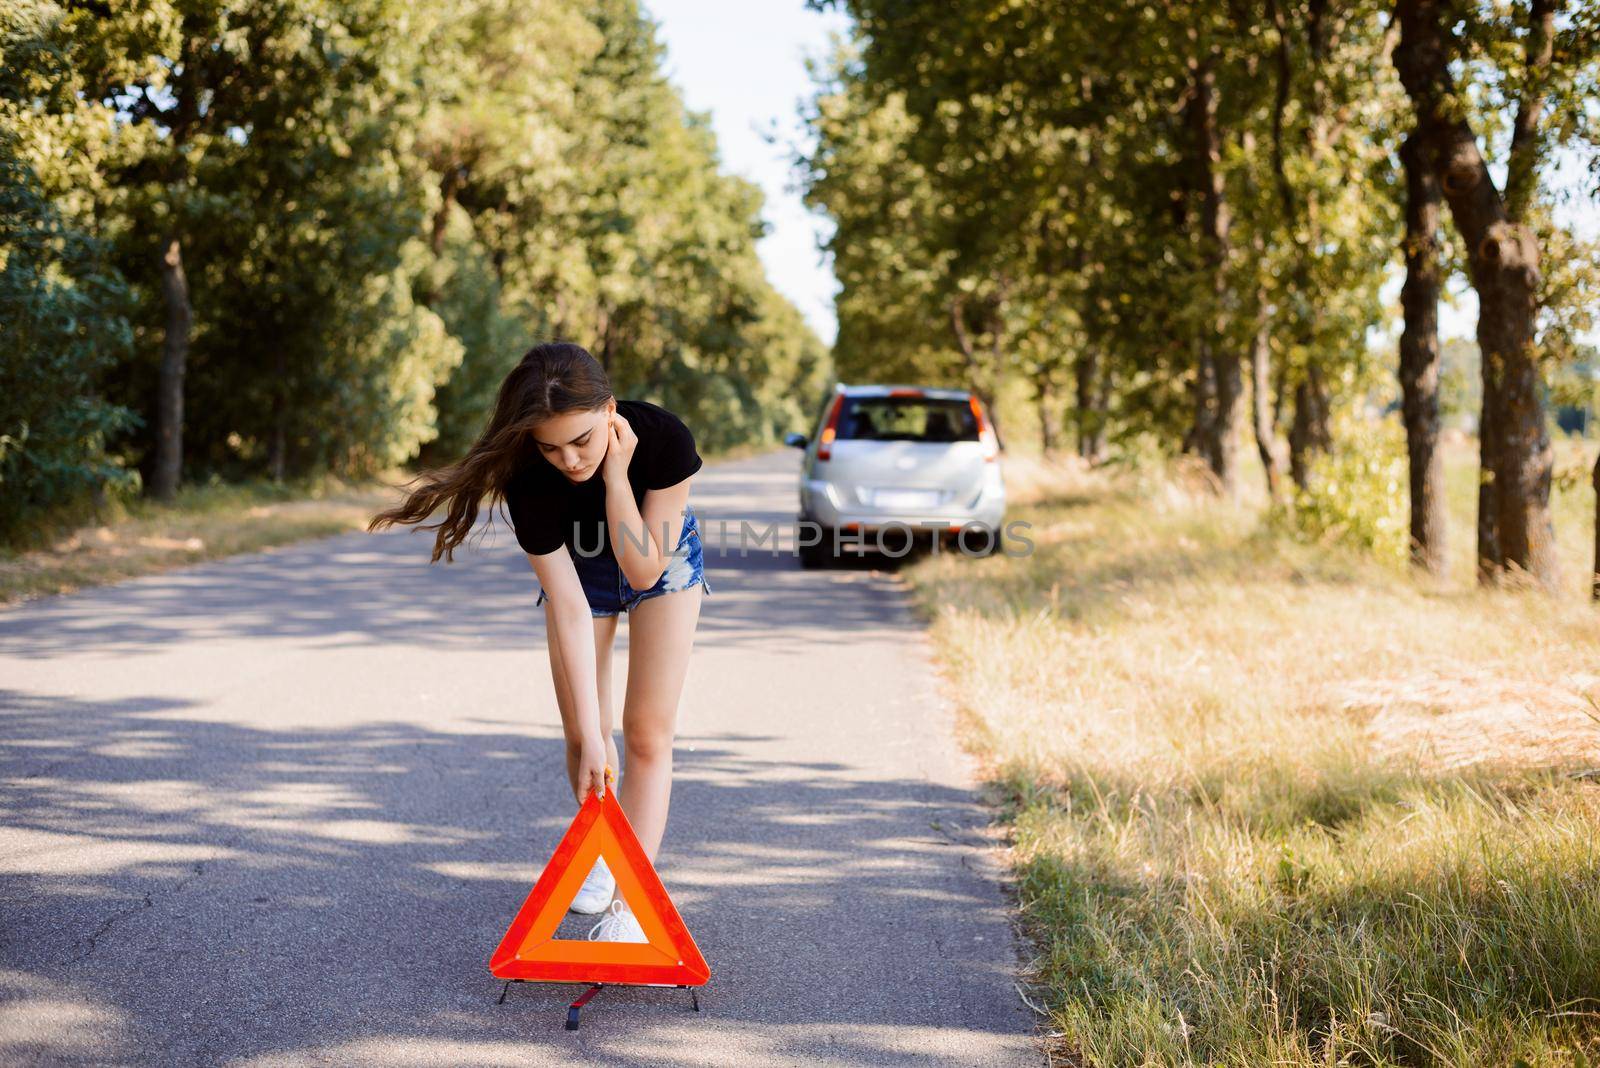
<point>598,493</point>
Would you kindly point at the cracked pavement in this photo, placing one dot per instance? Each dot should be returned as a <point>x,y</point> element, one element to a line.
<point>279,810</point>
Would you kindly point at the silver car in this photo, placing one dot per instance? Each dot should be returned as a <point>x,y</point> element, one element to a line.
<point>926,461</point>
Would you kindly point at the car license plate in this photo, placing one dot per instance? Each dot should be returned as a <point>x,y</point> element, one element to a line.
<point>903,498</point>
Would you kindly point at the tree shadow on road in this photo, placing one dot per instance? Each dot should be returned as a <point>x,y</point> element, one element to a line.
<point>183,890</point>
<point>379,589</point>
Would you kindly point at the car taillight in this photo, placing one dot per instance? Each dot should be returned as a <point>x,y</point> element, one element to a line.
<point>991,448</point>
<point>831,431</point>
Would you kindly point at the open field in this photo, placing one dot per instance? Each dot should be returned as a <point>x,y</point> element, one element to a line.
<point>1275,803</point>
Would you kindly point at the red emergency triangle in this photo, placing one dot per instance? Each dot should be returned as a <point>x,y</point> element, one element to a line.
<point>528,950</point>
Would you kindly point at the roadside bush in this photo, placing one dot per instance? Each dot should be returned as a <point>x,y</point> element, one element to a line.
<point>1357,493</point>
<point>61,306</point>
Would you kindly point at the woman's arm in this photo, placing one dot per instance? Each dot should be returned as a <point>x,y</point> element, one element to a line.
<point>574,636</point>
<point>636,547</point>
<point>656,529</point>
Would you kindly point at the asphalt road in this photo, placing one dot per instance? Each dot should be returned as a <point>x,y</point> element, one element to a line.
<point>279,810</point>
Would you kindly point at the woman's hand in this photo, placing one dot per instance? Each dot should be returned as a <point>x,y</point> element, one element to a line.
<point>619,453</point>
<point>593,774</point>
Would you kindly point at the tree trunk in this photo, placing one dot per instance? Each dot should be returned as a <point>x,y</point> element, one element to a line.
<point>1215,433</point>
<point>1280,390</point>
<point>1094,397</point>
<point>277,454</point>
<point>168,469</point>
<point>449,186</point>
<point>1308,433</point>
<point>997,354</point>
<point>958,327</point>
<point>277,459</point>
<point>1095,445</point>
<point>1204,396</point>
<point>1261,404</point>
<point>1086,375</point>
<point>997,362</point>
<point>1049,419</point>
<point>1490,560</point>
<point>1419,360</point>
<point>980,381</point>
<point>1503,259</point>
<point>1594,589</point>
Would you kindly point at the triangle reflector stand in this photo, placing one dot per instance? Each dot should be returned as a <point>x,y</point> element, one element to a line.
<point>530,952</point>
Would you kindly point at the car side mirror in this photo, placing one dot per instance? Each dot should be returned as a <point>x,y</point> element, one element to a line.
<point>796,439</point>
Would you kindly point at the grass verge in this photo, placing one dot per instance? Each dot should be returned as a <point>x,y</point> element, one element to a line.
<point>1273,803</point>
<point>202,523</point>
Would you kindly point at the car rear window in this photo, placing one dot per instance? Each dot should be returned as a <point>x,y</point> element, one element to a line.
<point>906,419</point>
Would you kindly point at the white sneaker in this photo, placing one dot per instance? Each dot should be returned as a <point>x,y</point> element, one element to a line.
<point>595,893</point>
<point>617,925</point>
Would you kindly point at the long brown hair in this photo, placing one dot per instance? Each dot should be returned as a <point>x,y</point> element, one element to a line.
<point>550,379</point>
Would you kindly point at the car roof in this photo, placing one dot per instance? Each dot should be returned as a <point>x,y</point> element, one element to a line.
<point>937,393</point>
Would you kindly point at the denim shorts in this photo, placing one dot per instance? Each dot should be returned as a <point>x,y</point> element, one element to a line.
<point>607,589</point>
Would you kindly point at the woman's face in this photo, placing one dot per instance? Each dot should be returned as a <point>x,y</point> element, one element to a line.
<point>575,442</point>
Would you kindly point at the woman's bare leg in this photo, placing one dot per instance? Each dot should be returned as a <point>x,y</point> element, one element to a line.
<point>660,637</point>
<point>605,631</point>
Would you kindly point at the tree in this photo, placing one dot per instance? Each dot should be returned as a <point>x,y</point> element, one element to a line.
<point>1514,526</point>
<point>62,302</point>
<point>1420,360</point>
<point>190,82</point>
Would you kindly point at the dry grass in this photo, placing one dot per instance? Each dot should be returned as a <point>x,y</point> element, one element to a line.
<point>1275,803</point>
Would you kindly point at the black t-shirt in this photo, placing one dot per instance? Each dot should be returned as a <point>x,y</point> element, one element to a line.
<point>548,509</point>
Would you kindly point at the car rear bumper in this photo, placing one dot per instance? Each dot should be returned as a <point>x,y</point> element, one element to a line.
<point>819,505</point>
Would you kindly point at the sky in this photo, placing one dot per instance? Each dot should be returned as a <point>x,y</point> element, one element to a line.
<point>744,62</point>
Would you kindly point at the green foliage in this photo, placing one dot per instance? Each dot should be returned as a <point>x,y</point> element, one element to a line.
<point>1357,494</point>
<point>1127,205</point>
<point>378,374</point>
<point>648,250</point>
<point>1575,393</point>
<point>1041,172</point>
<point>470,303</point>
<point>379,208</point>
<point>64,315</point>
